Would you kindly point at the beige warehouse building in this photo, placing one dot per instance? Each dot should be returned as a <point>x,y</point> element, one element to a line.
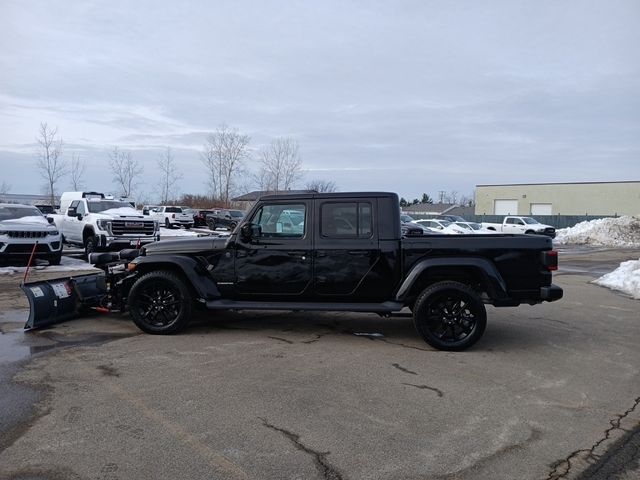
<point>580,198</point>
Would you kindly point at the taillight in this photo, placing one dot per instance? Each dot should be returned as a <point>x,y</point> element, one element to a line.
<point>550,260</point>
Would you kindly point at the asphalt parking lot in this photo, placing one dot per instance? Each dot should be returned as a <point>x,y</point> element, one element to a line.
<point>551,391</point>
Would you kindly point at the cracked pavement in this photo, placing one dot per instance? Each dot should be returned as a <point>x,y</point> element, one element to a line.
<point>551,392</point>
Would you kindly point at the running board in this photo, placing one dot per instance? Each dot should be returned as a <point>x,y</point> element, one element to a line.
<point>385,307</point>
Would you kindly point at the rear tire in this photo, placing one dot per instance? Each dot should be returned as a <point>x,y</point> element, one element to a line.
<point>211,224</point>
<point>167,223</point>
<point>160,303</point>
<point>450,316</point>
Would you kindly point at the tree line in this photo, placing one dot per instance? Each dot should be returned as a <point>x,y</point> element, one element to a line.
<point>226,159</point>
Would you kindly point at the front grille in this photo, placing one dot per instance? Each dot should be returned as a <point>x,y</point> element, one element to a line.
<point>21,234</point>
<point>26,248</point>
<point>132,227</point>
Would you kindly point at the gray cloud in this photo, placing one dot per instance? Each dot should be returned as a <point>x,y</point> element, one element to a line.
<point>409,96</point>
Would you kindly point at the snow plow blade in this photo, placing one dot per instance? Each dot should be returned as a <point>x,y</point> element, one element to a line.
<point>61,299</point>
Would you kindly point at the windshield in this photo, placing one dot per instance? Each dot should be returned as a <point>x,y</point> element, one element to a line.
<point>475,226</point>
<point>406,218</point>
<point>444,223</point>
<point>236,213</point>
<point>102,205</point>
<point>529,220</point>
<point>9,213</point>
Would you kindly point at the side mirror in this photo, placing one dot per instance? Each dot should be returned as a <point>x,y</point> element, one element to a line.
<point>50,220</point>
<point>71,212</point>
<point>79,216</point>
<point>249,231</point>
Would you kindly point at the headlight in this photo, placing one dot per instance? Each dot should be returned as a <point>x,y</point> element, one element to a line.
<point>53,232</point>
<point>103,224</point>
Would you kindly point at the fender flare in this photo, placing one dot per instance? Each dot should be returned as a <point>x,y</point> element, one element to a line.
<point>495,284</point>
<point>194,272</point>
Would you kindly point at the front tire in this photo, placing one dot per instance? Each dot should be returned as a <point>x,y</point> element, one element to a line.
<point>90,246</point>
<point>56,259</point>
<point>211,224</point>
<point>160,303</point>
<point>450,316</point>
<point>167,223</point>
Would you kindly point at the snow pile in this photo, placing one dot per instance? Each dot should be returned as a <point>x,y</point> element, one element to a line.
<point>626,278</point>
<point>67,264</point>
<point>607,232</point>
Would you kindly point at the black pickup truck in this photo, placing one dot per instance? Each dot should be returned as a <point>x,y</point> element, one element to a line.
<point>337,252</point>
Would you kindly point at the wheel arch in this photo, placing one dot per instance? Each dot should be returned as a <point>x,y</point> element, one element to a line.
<point>187,268</point>
<point>472,271</point>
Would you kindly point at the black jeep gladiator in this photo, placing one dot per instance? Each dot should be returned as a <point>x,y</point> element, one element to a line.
<point>337,252</point>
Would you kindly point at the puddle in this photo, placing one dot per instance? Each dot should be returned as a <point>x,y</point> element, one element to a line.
<point>17,345</point>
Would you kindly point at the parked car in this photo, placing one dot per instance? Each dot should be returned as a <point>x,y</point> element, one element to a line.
<point>450,218</point>
<point>171,216</point>
<point>224,218</point>
<point>199,216</point>
<point>446,282</point>
<point>442,226</point>
<point>95,222</point>
<point>515,224</point>
<point>474,228</point>
<point>23,227</point>
<point>146,209</point>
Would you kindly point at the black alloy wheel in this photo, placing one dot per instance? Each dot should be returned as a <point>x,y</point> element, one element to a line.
<point>160,303</point>
<point>450,316</point>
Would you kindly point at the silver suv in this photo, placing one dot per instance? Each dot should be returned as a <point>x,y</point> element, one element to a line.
<point>23,227</point>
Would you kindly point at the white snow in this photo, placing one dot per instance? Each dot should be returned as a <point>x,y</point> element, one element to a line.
<point>608,232</point>
<point>67,264</point>
<point>124,211</point>
<point>626,278</point>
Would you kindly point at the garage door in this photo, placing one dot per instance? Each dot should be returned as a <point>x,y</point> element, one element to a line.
<point>505,207</point>
<point>541,209</point>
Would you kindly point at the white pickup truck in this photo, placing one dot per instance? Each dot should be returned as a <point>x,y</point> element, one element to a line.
<point>171,216</point>
<point>95,222</point>
<point>513,224</point>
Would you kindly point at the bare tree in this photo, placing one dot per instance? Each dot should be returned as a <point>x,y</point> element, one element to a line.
<point>322,186</point>
<point>224,153</point>
<point>281,164</point>
<point>451,197</point>
<point>169,175</point>
<point>4,188</point>
<point>126,171</point>
<point>468,200</point>
<point>50,163</point>
<point>78,167</point>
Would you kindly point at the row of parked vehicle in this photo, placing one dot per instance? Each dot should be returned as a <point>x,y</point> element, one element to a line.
<point>456,225</point>
<point>174,216</point>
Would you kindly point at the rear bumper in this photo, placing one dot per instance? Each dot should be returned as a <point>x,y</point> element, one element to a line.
<point>551,293</point>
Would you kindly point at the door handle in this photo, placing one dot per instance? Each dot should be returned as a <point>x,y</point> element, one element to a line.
<point>359,253</point>
<point>301,255</point>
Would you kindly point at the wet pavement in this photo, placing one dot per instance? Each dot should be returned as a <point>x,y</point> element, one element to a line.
<point>550,391</point>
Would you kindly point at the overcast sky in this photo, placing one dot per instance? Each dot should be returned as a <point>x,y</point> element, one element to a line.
<point>403,96</point>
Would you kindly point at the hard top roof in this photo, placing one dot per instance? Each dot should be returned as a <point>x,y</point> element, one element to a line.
<point>336,195</point>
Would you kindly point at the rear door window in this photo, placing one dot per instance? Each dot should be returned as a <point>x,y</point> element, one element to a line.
<point>346,220</point>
